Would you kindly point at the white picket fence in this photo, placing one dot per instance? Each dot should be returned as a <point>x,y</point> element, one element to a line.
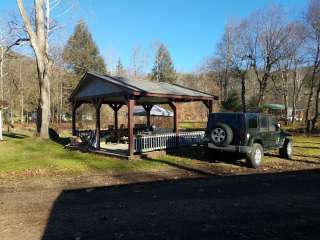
<point>147,143</point>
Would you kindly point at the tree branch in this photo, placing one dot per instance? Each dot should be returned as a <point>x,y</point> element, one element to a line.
<point>26,21</point>
<point>18,42</point>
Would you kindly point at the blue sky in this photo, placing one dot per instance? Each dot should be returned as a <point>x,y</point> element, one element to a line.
<point>189,28</point>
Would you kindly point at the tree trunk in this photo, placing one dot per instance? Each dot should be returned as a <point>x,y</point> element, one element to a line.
<point>61,102</point>
<point>316,110</point>
<point>39,43</point>
<point>1,138</point>
<point>21,95</point>
<point>1,73</point>
<point>243,93</point>
<point>314,71</point>
<point>294,83</point>
<point>285,101</point>
<point>263,86</point>
<point>310,96</point>
<point>44,103</point>
<point>225,85</point>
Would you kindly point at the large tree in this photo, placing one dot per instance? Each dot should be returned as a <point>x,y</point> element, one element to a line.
<point>81,53</point>
<point>163,69</point>
<point>38,36</point>
<point>287,77</point>
<point>268,33</point>
<point>312,18</point>
<point>225,51</point>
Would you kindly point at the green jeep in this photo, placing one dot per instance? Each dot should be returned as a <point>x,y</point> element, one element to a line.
<point>248,135</point>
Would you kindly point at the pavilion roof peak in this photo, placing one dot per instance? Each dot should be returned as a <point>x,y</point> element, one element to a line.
<point>117,85</point>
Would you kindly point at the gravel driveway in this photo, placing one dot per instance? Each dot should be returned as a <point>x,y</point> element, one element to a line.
<point>266,206</point>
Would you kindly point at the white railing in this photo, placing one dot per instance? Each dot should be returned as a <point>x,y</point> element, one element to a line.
<point>147,143</point>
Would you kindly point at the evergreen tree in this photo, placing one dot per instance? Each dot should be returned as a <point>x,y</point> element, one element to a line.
<point>120,69</point>
<point>232,103</point>
<point>81,53</point>
<point>163,69</point>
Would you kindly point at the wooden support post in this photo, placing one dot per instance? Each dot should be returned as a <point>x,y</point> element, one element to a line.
<point>116,108</point>
<point>148,108</point>
<point>209,105</point>
<point>174,108</point>
<point>75,105</point>
<point>116,120</point>
<point>73,121</point>
<point>130,103</point>
<point>97,105</point>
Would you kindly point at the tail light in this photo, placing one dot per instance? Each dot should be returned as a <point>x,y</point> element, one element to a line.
<point>242,136</point>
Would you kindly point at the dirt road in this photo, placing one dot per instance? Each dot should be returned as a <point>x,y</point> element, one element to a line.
<point>268,206</point>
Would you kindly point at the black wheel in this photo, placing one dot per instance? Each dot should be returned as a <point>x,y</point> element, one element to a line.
<point>286,150</point>
<point>221,134</point>
<point>255,157</point>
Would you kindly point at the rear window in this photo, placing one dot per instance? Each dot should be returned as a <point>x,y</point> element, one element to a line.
<point>234,120</point>
<point>253,122</point>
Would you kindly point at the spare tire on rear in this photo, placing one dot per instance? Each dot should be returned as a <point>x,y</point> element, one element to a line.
<point>221,134</point>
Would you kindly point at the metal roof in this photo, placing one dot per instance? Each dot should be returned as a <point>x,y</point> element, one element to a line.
<point>161,87</point>
<point>112,86</point>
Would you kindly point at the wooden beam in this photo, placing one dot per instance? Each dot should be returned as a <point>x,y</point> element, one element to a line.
<point>209,105</point>
<point>130,104</point>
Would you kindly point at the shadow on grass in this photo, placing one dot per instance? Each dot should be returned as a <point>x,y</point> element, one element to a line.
<point>15,135</point>
<point>203,154</point>
<point>294,160</point>
<point>192,209</point>
<point>304,155</point>
<point>54,136</point>
<point>179,166</point>
<point>307,142</point>
<point>307,147</point>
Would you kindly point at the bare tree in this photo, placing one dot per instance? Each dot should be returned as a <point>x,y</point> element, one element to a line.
<point>138,60</point>
<point>2,58</point>
<point>5,46</point>
<point>268,33</point>
<point>312,18</point>
<point>298,82</point>
<point>225,53</point>
<point>38,36</point>
<point>241,61</point>
<point>285,77</point>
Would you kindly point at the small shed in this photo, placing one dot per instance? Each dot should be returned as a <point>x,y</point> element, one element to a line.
<point>99,89</point>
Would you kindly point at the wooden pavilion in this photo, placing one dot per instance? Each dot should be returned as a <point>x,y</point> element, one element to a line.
<point>117,91</point>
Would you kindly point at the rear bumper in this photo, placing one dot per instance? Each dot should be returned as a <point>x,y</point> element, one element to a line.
<point>230,148</point>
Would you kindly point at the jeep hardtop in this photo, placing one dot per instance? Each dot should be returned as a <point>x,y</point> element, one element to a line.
<point>248,135</point>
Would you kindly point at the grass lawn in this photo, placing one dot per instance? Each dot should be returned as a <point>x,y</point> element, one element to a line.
<point>309,146</point>
<point>27,156</point>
